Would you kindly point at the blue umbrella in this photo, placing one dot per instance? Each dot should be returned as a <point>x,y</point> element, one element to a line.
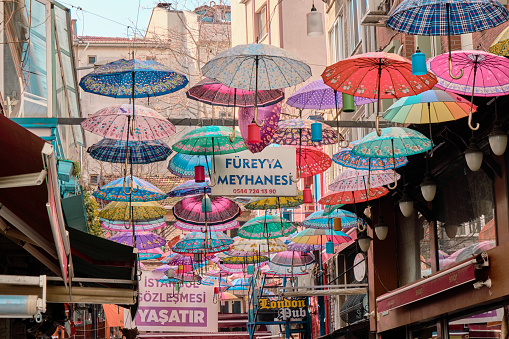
<point>182,165</point>
<point>200,242</point>
<point>209,281</point>
<point>345,157</point>
<point>190,187</point>
<point>318,220</point>
<point>240,282</point>
<point>141,152</point>
<point>129,189</point>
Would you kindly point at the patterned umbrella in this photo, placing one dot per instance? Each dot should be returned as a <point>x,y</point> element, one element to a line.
<point>144,240</point>
<point>190,187</point>
<point>317,95</point>
<point>270,115</point>
<point>182,165</point>
<point>231,268</point>
<point>284,271</point>
<point>393,141</point>
<point>312,161</point>
<point>331,208</point>
<point>216,273</point>
<point>334,198</point>
<point>210,281</point>
<point>501,44</point>
<point>167,258</point>
<point>215,93</point>
<point>319,221</point>
<point>119,210</point>
<point>292,258</point>
<point>319,236</point>
<point>141,190</point>
<point>186,277</point>
<point>226,296</point>
<point>112,123</point>
<point>345,157</point>
<point>189,210</point>
<point>244,260</point>
<point>209,140</point>
<point>297,132</point>
<point>140,152</point>
<point>125,226</point>
<point>292,246</point>
<point>163,268</point>
<point>152,253</point>
<point>211,228</point>
<point>195,242</point>
<point>270,203</point>
<point>247,247</point>
<point>266,227</point>
<point>178,259</point>
<point>355,180</point>
<point>241,282</point>
<point>115,79</point>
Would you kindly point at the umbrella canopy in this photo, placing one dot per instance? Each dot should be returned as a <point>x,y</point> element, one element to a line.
<point>444,17</point>
<point>331,208</point>
<point>355,180</point>
<point>186,277</point>
<point>501,44</point>
<point>162,268</point>
<point>284,271</point>
<point>143,211</point>
<point>269,115</point>
<point>393,142</point>
<point>140,152</point>
<point>182,165</point>
<point>297,132</point>
<point>211,228</point>
<point>216,273</point>
<point>210,281</point>
<point>317,95</point>
<point>244,260</point>
<point>125,226</point>
<point>312,161</point>
<point>256,67</point>
<point>169,257</point>
<point>215,93</point>
<point>240,282</point>
<point>247,247</point>
<point>112,123</point>
<point>226,296</point>
<point>152,253</point>
<point>115,79</point>
<point>345,157</point>
<point>189,210</point>
<point>292,258</point>
<point>208,140</point>
<point>231,268</point>
<point>141,190</point>
<point>313,236</point>
<point>334,198</point>
<point>270,203</point>
<point>318,220</point>
<point>474,249</point>
<point>178,259</point>
<point>189,187</point>
<point>144,240</point>
<point>195,242</point>
<point>266,227</point>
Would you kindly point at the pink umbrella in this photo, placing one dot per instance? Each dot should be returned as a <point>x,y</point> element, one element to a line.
<point>269,115</point>
<point>214,228</point>
<point>356,180</point>
<point>189,210</point>
<point>312,161</point>
<point>216,273</point>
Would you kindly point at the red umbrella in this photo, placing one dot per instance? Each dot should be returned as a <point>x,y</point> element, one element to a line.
<point>312,161</point>
<point>335,198</point>
<point>270,116</point>
<point>377,75</point>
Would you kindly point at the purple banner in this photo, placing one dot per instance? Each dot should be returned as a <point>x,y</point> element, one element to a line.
<point>172,316</point>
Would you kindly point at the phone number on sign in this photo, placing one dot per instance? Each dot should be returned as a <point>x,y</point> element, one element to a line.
<point>253,191</point>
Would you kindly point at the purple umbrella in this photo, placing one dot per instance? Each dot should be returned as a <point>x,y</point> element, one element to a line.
<point>292,258</point>
<point>189,210</point>
<point>214,228</point>
<point>317,95</point>
<point>180,259</point>
<point>163,268</point>
<point>270,116</point>
<point>144,240</point>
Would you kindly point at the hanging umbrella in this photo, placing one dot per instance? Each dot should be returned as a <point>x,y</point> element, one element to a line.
<point>183,278</point>
<point>334,198</point>
<point>355,180</point>
<point>312,161</point>
<point>140,152</point>
<point>313,236</point>
<point>178,260</point>
<point>243,260</point>
<point>153,253</point>
<point>231,268</point>
<point>199,242</point>
<point>163,268</point>
<point>377,75</point>
<point>119,210</point>
<point>247,247</point>
<point>292,246</point>
<point>189,187</point>
<point>284,271</point>
<point>345,157</point>
<point>216,273</point>
<point>318,220</point>
<point>331,208</point>
<point>182,165</point>
<point>266,227</point>
<point>241,282</point>
<point>297,132</point>
<point>208,140</point>
<point>501,44</point>
<point>474,249</point>
<point>144,240</point>
<point>292,258</point>
<point>484,74</point>
<point>167,258</point>
<point>189,210</point>
<point>226,296</point>
<point>211,281</point>
<point>270,203</point>
<point>116,190</point>
<point>126,226</point>
<point>270,115</point>
<point>211,228</point>
<point>113,123</point>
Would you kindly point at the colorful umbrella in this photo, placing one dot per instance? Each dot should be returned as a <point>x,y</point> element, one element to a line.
<point>231,268</point>
<point>169,257</point>
<point>319,221</point>
<point>270,115</point>
<point>210,281</point>
<point>140,152</point>
<point>182,165</point>
<point>292,258</point>
<point>163,268</point>
<point>331,208</point>
<point>247,247</point>
<point>216,273</point>
<point>211,228</point>
<point>178,259</point>
<point>113,123</point>
<point>297,132</point>
<point>266,227</point>
<point>284,271</point>
<point>312,161</point>
<point>334,198</point>
<point>270,203</point>
<point>244,260</point>
<point>116,78</point>
<point>313,236</point>
<point>355,180</point>
<point>126,226</point>
<point>189,187</point>
<point>116,190</point>
<point>199,242</point>
<point>226,296</point>
<point>345,157</point>
<point>475,249</point>
<point>144,240</point>
<point>501,44</point>
<point>317,95</point>
<point>241,282</point>
<point>152,253</point>
<point>119,210</point>
<point>292,246</point>
<point>189,210</point>
<point>186,277</point>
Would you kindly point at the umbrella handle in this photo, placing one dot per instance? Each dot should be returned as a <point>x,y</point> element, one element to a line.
<point>256,118</point>
<point>377,125</point>
<point>132,127</point>
<point>395,182</point>
<point>361,227</point>
<point>470,120</point>
<point>123,189</point>
<point>450,71</point>
<point>305,268</point>
<point>232,136</point>
<point>209,184</point>
<point>344,143</point>
<point>298,176</point>
<point>369,190</point>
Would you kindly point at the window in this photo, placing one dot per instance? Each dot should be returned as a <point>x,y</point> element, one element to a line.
<point>94,179</point>
<point>92,59</point>
<point>355,28</point>
<point>262,22</point>
<point>336,41</point>
<point>236,307</point>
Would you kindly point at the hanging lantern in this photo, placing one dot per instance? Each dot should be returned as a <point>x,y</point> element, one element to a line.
<point>428,188</point>
<point>498,140</point>
<point>199,173</point>
<point>253,133</point>
<point>473,156</point>
<point>307,196</point>
<point>329,247</point>
<point>206,204</point>
<point>337,224</point>
<point>250,269</point>
<point>216,290</point>
<point>348,103</point>
<point>314,22</point>
<point>316,132</point>
<point>197,257</point>
<point>406,204</point>
<point>419,63</point>
<point>381,228</point>
<point>364,241</point>
<point>170,273</point>
<point>451,230</point>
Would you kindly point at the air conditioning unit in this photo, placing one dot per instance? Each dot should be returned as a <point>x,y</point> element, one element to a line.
<point>376,13</point>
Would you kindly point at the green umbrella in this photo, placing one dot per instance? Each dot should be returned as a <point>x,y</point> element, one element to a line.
<point>331,208</point>
<point>266,227</point>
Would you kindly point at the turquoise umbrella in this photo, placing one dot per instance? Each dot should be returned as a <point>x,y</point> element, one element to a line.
<point>266,227</point>
<point>319,221</point>
<point>203,242</point>
<point>182,165</point>
<point>130,189</point>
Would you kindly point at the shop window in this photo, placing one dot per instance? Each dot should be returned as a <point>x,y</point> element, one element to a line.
<point>487,324</point>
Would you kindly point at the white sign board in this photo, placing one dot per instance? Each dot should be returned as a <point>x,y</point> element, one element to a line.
<point>162,309</point>
<point>264,174</point>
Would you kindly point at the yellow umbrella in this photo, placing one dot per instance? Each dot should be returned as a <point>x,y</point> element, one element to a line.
<point>269,203</point>
<point>501,44</point>
<point>119,210</point>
